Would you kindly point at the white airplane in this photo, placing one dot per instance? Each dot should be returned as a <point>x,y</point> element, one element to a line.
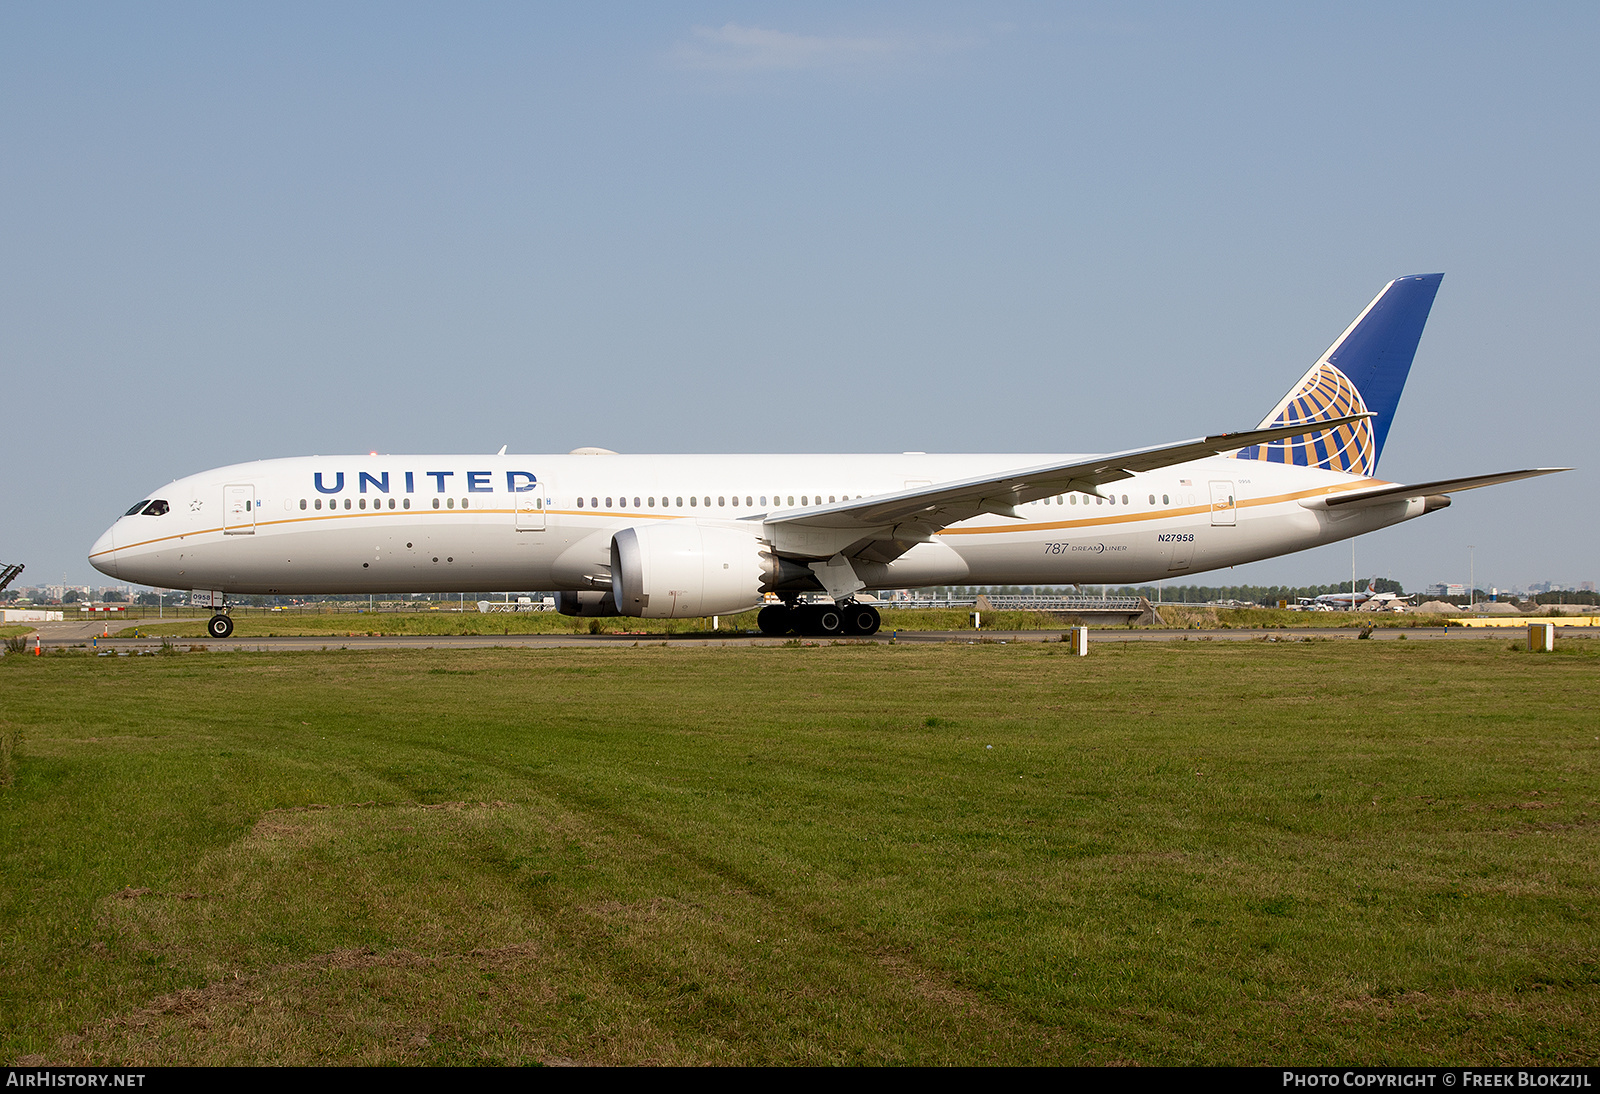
<point>1368,599</point>
<point>676,536</point>
<point>1340,602</point>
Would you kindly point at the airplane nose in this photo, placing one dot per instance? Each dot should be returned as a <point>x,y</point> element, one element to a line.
<point>101,556</point>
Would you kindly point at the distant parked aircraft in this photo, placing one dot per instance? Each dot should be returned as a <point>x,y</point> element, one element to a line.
<point>1369,599</point>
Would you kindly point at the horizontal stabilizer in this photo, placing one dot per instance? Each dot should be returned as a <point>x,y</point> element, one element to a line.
<point>1426,489</point>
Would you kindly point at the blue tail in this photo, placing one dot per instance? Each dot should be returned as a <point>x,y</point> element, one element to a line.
<point>1363,372</point>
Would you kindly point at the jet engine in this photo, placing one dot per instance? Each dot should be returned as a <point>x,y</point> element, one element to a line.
<point>680,568</point>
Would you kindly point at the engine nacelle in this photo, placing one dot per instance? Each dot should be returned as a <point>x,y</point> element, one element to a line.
<point>679,568</point>
<point>586,602</point>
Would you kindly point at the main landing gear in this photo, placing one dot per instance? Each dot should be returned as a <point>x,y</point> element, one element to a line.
<point>219,626</point>
<point>848,619</point>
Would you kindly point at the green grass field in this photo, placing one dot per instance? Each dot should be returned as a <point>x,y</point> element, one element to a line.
<point>1186,852</point>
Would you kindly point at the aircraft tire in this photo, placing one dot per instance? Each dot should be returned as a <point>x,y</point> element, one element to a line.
<point>219,626</point>
<point>861,619</point>
<point>774,620</point>
<point>826,619</point>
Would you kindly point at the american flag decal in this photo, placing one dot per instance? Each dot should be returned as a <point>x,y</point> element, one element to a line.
<point>1325,393</point>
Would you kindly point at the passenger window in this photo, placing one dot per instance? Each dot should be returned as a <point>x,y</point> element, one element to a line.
<point>302,503</point>
<point>449,503</point>
<point>405,503</point>
<point>316,503</point>
<point>693,500</point>
<point>363,503</point>
<point>722,501</point>
<point>608,503</point>
<point>1073,498</point>
<point>747,500</point>
<point>708,503</point>
<point>436,503</point>
<point>804,499</point>
<point>463,503</point>
<point>347,503</point>
<point>736,500</point>
<point>636,503</point>
<point>680,503</point>
<point>652,502</point>
<point>1124,499</point>
<point>580,504</point>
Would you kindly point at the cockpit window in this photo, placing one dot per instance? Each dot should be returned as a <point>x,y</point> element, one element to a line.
<point>156,508</point>
<point>137,507</point>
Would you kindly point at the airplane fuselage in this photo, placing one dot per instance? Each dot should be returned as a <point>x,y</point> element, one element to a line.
<point>353,524</point>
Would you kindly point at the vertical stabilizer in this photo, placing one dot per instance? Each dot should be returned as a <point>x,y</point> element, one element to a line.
<point>1364,371</point>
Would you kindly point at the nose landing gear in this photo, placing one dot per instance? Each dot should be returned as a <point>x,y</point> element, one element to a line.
<point>219,626</point>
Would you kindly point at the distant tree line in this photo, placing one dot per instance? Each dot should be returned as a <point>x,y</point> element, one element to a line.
<point>1566,597</point>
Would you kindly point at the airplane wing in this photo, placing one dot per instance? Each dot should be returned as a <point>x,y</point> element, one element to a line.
<point>1382,495</point>
<point>883,527</point>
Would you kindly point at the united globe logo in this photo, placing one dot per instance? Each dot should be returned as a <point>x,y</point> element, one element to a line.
<point>1324,393</point>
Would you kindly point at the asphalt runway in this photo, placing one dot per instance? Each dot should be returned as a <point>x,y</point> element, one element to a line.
<point>67,635</point>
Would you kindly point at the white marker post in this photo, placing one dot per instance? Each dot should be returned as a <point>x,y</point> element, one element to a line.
<point>1541,637</point>
<point>1080,641</point>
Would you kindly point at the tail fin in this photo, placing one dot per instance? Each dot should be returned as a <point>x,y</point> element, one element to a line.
<point>1364,371</point>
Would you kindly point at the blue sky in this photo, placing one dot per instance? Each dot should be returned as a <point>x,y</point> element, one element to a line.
<point>231,232</point>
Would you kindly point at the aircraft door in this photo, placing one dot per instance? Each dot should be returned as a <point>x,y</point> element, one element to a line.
<point>530,506</point>
<point>1224,505</point>
<point>239,510</point>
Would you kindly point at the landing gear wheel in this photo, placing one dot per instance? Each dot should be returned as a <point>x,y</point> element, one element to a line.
<point>219,626</point>
<point>827,619</point>
<point>774,619</point>
<point>860,619</point>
